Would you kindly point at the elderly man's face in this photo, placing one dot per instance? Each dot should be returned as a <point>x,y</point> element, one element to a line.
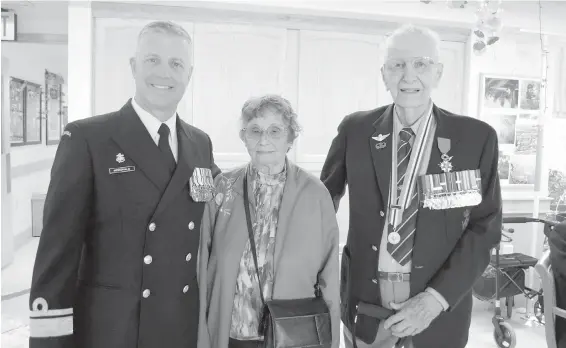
<point>411,70</point>
<point>267,139</point>
<point>162,69</point>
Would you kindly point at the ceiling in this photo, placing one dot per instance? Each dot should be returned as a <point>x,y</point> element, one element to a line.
<point>51,16</point>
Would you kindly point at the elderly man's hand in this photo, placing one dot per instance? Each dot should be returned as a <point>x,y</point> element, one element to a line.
<point>414,315</point>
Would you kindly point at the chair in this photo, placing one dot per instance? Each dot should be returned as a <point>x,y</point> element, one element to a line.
<point>544,270</point>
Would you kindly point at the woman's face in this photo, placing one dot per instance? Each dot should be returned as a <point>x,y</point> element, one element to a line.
<point>267,139</point>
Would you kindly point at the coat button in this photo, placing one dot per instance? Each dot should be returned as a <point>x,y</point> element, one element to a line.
<point>381,213</point>
<point>191,225</point>
<point>152,226</point>
<point>189,257</point>
<point>147,259</point>
<point>374,248</point>
<point>374,281</point>
<point>185,289</point>
<point>146,293</point>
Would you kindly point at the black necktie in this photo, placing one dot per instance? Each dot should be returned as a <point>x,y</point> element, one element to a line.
<point>165,148</point>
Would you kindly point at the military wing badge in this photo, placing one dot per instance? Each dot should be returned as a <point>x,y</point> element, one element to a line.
<point>381,137</point>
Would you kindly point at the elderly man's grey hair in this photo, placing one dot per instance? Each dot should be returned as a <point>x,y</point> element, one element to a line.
<point>409,29</point>
<point>166,27</point>
<point>254,107</point>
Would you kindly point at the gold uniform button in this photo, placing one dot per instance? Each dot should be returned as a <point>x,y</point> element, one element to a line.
<point>152,226</point>
<point>374,248</point>
<point>381,213</point>
<point>185,289</point>
<point>189,257</point>
<point>191,225</point>
<point>146,293</point>
<point>147,259</point>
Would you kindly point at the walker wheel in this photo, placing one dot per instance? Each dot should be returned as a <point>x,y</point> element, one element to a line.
<point>507,339</point>
<point>538,311</point>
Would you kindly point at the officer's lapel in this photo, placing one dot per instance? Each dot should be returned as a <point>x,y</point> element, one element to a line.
<point>185,166</point>
<point>381,145</point>
<point>134,139</point>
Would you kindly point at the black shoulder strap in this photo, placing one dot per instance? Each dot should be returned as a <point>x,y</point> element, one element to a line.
<point>251,234</point>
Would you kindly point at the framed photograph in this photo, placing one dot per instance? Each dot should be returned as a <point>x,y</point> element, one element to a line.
<point>25,112</point>
<point>511,105</point>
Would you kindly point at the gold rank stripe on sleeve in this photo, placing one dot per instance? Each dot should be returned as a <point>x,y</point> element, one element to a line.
<point>45,322</point>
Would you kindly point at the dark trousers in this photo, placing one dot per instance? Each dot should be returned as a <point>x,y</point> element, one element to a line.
<point>233,343</point>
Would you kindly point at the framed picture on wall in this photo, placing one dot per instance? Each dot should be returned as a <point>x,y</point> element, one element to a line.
<point>53,106</point>
<point>25,112</point>
<point>511,105</point>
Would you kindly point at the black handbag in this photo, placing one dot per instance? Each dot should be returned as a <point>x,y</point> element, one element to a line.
<point>291,323</point>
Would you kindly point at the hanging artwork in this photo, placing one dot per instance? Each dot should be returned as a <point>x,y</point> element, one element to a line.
<point>17,88</point>
<point>511,105</point>
<point>53,106</point>
<point>25,112</point>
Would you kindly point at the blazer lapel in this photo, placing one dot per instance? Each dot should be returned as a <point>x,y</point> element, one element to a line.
<point>134,139</point>
<point>185,166</point>
<point>443,130</point>
<point>381,151</point>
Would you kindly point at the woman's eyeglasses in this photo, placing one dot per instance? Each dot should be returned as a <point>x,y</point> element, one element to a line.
<point>255,133</point>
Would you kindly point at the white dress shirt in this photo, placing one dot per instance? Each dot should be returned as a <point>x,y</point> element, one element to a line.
<point>386,262</point>
<point>152,125</point>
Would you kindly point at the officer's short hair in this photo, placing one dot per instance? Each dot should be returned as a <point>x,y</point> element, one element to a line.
<point>166,27</point>
<point>409,29</point>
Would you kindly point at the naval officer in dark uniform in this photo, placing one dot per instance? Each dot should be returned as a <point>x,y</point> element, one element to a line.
<point>116,265</point>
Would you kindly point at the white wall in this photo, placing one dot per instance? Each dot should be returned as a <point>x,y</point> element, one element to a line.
<point>31,164</point>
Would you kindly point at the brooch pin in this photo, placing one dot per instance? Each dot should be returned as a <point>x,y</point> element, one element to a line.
<point>444,147</point>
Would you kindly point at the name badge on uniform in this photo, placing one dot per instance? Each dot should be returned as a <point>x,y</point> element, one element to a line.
<point>201,185</point>
<point>120,170</point>
<point>450,189</point>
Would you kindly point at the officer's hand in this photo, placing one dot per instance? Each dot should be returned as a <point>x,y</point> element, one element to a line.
<point>414,315</point>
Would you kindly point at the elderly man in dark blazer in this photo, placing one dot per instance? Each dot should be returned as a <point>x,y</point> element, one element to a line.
<point>116,265</point>
<point>425,207</point>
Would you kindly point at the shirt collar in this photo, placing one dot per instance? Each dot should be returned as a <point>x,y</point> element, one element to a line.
<point>152,123</point>
<point>398,125</point>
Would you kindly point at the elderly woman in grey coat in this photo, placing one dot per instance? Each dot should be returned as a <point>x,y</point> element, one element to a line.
<point>294,226</point>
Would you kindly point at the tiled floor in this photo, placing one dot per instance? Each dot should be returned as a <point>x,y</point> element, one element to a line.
<point>15,321</point>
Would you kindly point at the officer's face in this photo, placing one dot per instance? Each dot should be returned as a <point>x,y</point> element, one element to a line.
<point>411,70</point>
<point>162,69</point>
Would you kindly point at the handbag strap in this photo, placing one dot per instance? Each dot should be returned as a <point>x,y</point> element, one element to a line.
<point>251,235</point>
<point>317,290</point>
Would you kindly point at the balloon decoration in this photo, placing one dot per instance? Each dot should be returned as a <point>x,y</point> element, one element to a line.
<point>488,25</point>
<point>488,21</point>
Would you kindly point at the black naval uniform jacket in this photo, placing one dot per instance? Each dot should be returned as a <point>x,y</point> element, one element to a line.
<point>116,265</point>
<point>451,248</point>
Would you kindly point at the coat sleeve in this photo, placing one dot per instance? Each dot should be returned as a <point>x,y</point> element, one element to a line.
<point>471,255</point>
<point>205,247</point>
<point>66,218</point>
<point>329,277</point>
<point>333,173</point>
<point>213,167</point>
